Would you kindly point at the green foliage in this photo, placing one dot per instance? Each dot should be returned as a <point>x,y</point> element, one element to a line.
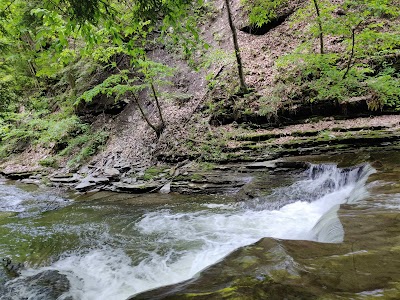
<point>262,11</point>
<point>125,82</point>
<point>387,89</point>
<point>18,130</point>
<point>49,162</point>
<point>152,172</point>
<point>53,52</point>
<point>8,95</point>
<point>363,71</point>
<point>206,166</point>
<point>268,106</point>
<point>89,143</point>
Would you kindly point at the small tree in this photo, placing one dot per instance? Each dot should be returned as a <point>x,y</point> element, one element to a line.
<point>144,78</point>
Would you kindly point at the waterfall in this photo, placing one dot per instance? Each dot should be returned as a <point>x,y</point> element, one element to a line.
<point>168,245</point>
<point>328,229</point>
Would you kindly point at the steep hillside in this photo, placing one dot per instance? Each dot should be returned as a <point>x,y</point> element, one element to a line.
<point>348,93</point>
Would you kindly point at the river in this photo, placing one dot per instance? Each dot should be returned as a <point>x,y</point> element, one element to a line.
<point>113,246</point>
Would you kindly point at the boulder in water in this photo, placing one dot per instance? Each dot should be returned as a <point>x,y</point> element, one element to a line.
<point>49,285</point>
<point>12,269</point>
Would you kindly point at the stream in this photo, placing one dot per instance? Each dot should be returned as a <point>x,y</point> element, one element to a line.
<point>113,246</point>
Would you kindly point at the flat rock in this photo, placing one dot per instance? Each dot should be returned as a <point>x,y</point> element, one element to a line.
<point>98,179</point>
<point>65,179</point>
<point>17,175</point>
<point>111,172</point>
<point>122,165</point>
<point>85,185</point>
<point>63,175</point>
<point>31,181</point>
<point>90,182</point>
<point>262,165</point>
<point>129,180</point>
<point>293,164</point>
<point>136,188</point>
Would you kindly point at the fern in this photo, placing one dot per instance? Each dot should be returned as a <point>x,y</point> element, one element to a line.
<point>262,11</point>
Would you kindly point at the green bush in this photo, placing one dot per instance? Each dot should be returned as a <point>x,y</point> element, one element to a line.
<point>91,143</point>
<point>262,11</point>
<point>49,162</point>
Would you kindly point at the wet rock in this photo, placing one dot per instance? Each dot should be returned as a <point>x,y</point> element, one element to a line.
<point>13,269</point>
<point>209,184</point>
<point>136,188</point>
<point>262,165</point>
<point>31,181</point>
<point>85,185</point>
<point>49,285</point>
<point>166,189</point>
<point>65,178</point>
<point>90,182</point>
<point>293,164</point>
<point>18,175</point>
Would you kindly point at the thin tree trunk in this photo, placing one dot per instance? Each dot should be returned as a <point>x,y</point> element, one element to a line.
<point>158,104</point>
<point>161,126</point>
<point>321,37</point>
<point>353,43</point>
<point>351,53</point>
<point>156,130</point>
<point>72,83</point>
<point>243,86</point>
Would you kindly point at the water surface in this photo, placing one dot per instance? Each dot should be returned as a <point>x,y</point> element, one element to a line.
<point>115,246</point>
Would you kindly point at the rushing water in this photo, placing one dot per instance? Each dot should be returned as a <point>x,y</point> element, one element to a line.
<point>115,249</point>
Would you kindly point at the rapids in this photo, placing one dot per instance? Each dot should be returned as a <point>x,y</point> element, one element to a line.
<point>112,250</point>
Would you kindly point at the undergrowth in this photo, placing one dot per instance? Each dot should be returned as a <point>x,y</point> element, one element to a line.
<point>365,65</point>
<point>61,133</point>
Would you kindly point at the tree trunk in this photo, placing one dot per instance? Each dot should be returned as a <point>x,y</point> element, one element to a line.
<point>353,43</point>
<point>243,87</point>
<point>321,37</point>
<point>158,129</point>
<point>158,104</point>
